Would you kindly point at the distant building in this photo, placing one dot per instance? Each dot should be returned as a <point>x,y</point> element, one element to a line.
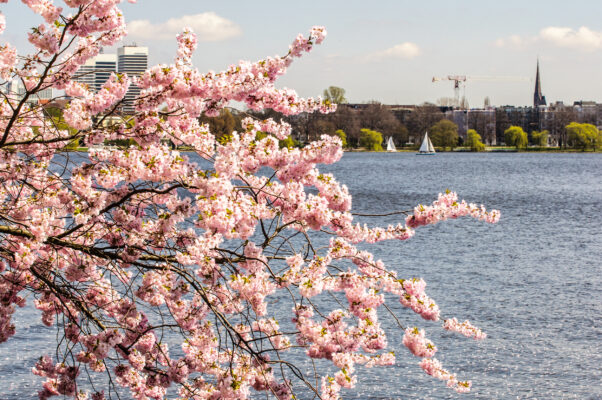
<point>16,91</point>
<point>507,116</point>
<point>85,74</point>
<point>106,64</point>
<point>558,115</point>
<point>132,60</point>
<point>97,70</point>
<point>460,118</point>
<point>538,98</point>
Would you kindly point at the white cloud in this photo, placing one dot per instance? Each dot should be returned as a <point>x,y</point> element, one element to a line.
<point>208,26</point>
<point>581,39</point>
<point>406,50</point>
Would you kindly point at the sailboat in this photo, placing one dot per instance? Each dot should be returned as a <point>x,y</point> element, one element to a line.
<point>427,147</point>
<point>391,145</point>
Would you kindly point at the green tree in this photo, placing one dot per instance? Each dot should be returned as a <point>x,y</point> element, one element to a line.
<point>55,115</point>
<point>515,136</point>
<point>371,140</point>
<point>289,142</point>
<point>341,134</point>
<point>473,140</point>
<point>335,95</point>
<point>584,136</point>
<point>540,138</point>
<point>444,134</point>
<point>223,125</point>
<point>72,145</point>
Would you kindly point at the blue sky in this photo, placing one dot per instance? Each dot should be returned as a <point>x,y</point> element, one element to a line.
<point>386,50</point>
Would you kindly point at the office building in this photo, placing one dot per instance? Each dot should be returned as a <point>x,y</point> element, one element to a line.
<point>95,72</point>
<point>16,91</point>
<point>105,64</point>
<point>132,60</point>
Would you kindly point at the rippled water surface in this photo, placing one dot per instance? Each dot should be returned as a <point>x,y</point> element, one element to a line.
<point>533,282</point>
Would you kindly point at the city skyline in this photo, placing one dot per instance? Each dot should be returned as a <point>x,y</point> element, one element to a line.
<point>388,52</point>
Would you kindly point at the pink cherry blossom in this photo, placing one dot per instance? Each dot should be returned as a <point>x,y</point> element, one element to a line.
<point>161,272</point>
<point>8,59</point>
<point>420,346</point>
<point>465,328</point>
<point>433,367</point>
<point>447,206</point>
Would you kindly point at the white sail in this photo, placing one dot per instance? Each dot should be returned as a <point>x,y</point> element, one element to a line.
<point>427,146</point>
<point>390,144</point>
<point>431,148</point>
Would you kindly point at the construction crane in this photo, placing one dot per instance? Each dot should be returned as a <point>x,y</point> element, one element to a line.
<point>461,80</point>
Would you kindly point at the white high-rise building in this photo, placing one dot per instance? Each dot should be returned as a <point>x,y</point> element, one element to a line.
<point>132,60</point>
<point>105,64</point>
<point>97,70</point>
<point>16,90</point>
<point>85,74</point>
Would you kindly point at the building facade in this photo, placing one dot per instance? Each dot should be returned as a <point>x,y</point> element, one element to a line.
<point>16,90</point>
<point>132,60</point>
<point>105,65</point>
<point>97,70</point>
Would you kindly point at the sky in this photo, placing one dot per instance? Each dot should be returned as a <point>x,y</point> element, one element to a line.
<point>386,51</point>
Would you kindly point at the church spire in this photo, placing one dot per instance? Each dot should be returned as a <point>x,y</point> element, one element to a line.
<point>538,98</point>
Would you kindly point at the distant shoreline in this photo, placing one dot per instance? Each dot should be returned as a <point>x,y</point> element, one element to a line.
<point>456,150</point>
<point>487,150</point>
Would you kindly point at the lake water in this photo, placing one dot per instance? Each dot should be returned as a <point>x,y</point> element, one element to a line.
<point>533,282</point>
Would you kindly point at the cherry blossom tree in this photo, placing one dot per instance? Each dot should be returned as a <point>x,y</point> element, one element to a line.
<point>157,269</point>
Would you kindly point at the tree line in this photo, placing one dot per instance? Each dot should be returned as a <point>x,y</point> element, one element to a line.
<point>368,125</point>
<point>581,136</point>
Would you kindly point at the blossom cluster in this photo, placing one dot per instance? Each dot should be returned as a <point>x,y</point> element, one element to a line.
<point>420,346</point>
<point>465,328</point>
<point>447,206</point>
<point>60,378</point>
<point>416,299</point>
<point>433,367</point>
